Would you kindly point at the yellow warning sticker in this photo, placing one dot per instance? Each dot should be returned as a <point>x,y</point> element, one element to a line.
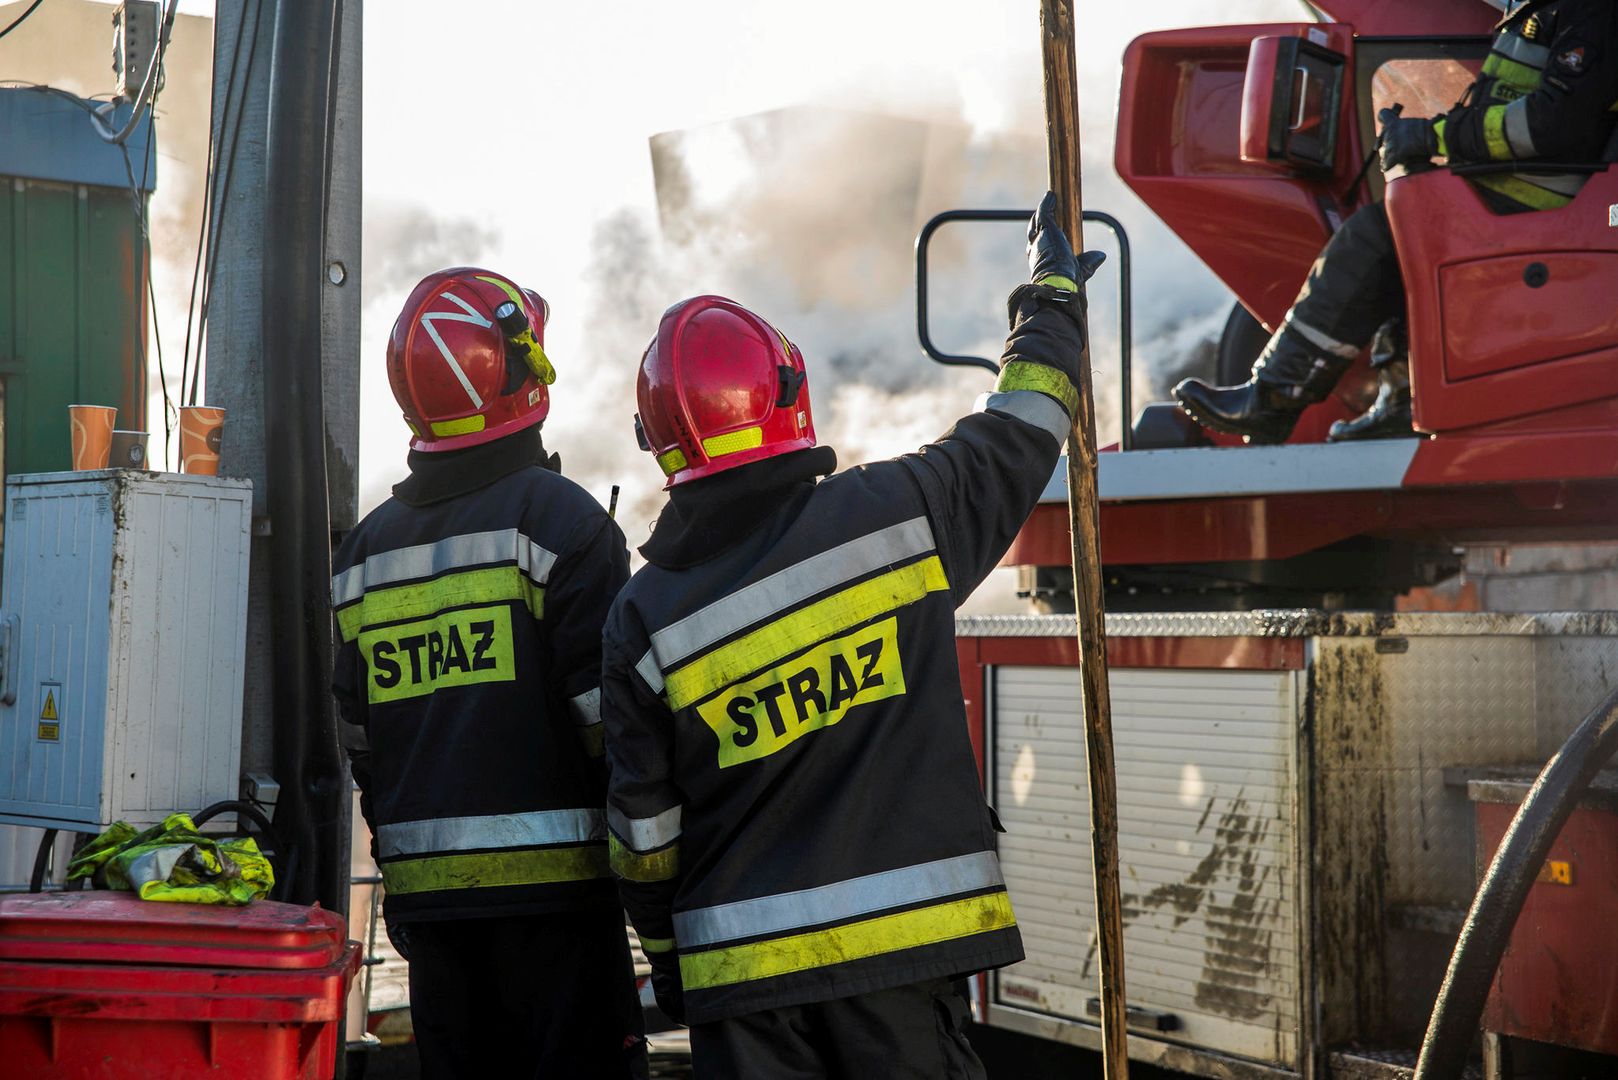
<point>1555,872</point>
<point>50,727</point>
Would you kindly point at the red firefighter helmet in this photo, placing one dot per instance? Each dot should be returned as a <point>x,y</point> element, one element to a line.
<point>720,387</point>
<point>466,359</point>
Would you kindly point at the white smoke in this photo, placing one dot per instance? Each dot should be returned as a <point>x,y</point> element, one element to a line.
<point>806,214</point>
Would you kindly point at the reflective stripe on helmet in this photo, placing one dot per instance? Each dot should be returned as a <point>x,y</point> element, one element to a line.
<point>671,461</point>
<point>733,442</point>
<point>466,425</point>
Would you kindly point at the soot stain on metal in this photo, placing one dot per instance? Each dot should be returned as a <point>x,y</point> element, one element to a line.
<point>1240,934</point>
<point>1349,842</point>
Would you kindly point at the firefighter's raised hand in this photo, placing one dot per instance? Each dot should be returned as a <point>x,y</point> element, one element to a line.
<point>1406,140</point>
<point>1050,255</point>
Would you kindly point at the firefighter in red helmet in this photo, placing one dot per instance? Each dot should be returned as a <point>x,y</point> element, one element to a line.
<point>469,609</point>
<point>794,808</point>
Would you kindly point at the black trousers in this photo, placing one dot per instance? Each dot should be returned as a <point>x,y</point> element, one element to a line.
<point>1355,286</point>
<point>532,997</point>
<point>909,1033</point>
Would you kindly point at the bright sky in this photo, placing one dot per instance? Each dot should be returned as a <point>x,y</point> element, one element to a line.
<point>532,120</point>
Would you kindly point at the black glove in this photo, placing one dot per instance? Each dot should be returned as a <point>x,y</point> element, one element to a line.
<point>1050,254</point>
<point>668,992</point>
<point>1406,140</point>
<point>399,935</point>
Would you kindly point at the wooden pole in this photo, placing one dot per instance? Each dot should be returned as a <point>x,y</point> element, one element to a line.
<point>1062,135</point>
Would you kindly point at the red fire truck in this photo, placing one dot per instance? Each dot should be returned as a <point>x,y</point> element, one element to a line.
<point>1311,770</point>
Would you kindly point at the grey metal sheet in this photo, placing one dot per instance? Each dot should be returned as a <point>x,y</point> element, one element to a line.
<point>1206,839</point>
<point>1211,471</point>
<point>1307,622</point>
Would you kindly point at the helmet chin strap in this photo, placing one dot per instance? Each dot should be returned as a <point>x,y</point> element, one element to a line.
<point>791,385</point>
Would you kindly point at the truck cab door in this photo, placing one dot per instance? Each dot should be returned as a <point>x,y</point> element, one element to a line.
<point>1247,142</point>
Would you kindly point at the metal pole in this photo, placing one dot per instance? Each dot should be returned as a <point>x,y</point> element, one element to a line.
<point>311,813</point>
<point>1062,136</point>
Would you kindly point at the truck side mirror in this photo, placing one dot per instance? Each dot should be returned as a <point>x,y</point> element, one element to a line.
<point>1291,104</point>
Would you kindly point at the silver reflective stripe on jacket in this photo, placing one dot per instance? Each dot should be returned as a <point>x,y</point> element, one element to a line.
<point>451,553</point>
<point>534,829</point>
<point>774,915</point>
<point>1518,48</point>
<point>1031,407</point>
<point>1516,128</point>
<point>780,591</point>
<point>586,707</point>
<point>645,834</point>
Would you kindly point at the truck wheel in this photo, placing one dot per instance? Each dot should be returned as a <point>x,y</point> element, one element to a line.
<point>1243,338</point>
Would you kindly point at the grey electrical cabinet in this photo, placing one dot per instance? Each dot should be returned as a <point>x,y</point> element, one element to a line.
<point>123,607</point>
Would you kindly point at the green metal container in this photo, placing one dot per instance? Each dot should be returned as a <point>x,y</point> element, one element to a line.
<point>72,275</point>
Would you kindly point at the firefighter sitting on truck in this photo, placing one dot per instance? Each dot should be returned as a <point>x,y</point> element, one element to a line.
<point>1547,94</point>
<point>796,819</point>
<point>469,608</point>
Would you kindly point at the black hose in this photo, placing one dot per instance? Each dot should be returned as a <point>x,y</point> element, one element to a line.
<point>42,858</point>
<point>1452,1030</point>
<point>278,860</point>
<point>311,812</point>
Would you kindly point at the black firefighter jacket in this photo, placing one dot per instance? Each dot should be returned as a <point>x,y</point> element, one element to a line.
<point>795,810</point>
<point>468,680</point>
<point>1548,92</point>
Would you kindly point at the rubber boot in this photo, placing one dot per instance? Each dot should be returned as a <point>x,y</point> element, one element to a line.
<point>1389,415</point>
<point>1291,375</point>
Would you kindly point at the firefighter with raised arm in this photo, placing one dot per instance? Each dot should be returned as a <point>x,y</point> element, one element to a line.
<point>469,609</point>
<point>795,811</point>
<point>1548,94</point>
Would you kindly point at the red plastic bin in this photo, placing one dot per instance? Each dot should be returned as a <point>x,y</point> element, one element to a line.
<point>102,985</point>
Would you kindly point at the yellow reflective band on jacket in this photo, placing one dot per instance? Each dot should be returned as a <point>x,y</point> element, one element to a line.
<point>733,442</point>
<point>1438,133</point>
<point>854,941</point>
<point>1494,133</point>
<point>1517,77</point>
<point>491,585</point>
<point>1057,281</point>
<point>1025,375</point>
<point>660,865</point>
<point>836,613</point>
<point>815,690</point>
<point>654,945</point>
<point>494,869</point>
<point>456,648</point>
<point>1530,195</point>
